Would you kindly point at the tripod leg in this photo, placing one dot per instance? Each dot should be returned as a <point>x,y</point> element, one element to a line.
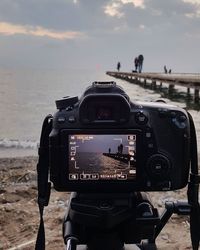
<point>71,244</point>
<point>146,245</point>
<point>69,237</point>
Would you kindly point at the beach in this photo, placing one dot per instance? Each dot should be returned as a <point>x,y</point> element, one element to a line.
<point>19,217</point>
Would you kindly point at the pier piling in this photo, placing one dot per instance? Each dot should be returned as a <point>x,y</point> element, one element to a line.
<point>196,95</point>
<point>171,89</point>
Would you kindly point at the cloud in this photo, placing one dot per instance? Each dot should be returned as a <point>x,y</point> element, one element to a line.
<point>142,26</point>
<point>114,8</point>
<point>196,12</point>
<point>136,3</point>
<point>192,1</point>
<point>10,29</point>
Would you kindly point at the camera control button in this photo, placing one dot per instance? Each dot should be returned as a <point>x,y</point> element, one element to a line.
<point>163,112</point>
<point>141,119</point>
<point>105,205</point>
<point>148,135</point>
<point>172,114</point>
<point>151,145</point>
<point>61,119</point>
<point>180,122</point>
<point>182,118</point>
<point>71,119</point>
<point>158,166</point>
<point>73,176</point>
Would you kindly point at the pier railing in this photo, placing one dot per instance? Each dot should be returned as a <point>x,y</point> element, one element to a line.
<point>190,81</point>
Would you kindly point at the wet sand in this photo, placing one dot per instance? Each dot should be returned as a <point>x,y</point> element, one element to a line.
<point>19,216</point>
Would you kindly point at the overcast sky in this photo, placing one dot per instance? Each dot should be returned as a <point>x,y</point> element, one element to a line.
<point>96,34</point>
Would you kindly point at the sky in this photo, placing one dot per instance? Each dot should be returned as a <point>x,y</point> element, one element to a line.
<point>101,144</point>
<point>89,34</point>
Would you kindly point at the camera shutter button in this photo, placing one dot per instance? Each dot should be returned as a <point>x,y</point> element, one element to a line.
<point>141,118</point>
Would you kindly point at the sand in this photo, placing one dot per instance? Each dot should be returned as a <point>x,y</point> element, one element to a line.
<point>19,217</point>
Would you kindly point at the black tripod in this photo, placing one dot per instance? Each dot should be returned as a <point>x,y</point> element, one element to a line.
<point>109,221</point>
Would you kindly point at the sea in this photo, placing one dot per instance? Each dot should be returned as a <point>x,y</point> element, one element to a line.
<point>28,95</point>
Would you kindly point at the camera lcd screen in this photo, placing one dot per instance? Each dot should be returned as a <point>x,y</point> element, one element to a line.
<point>102,157</point>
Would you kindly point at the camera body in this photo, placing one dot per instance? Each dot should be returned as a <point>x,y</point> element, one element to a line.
<point>103,142</point>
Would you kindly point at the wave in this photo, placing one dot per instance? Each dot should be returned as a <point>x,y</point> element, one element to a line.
<point>18,144</point>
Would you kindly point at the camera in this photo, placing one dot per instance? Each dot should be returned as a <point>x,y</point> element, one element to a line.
<point>108,149</point>
<point>104,142</point>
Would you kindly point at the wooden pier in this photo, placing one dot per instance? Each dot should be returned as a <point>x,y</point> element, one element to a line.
<point>156,81</point>
<point>120,157</point>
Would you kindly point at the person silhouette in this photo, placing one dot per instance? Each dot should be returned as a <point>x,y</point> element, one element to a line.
<point>140,62</point>
<point>118,66</point>
<point>136,63</point>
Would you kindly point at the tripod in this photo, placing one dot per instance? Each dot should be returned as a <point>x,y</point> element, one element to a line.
<point>109,221</point>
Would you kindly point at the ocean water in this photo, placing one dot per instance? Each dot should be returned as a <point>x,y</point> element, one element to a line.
<point>28,95</point>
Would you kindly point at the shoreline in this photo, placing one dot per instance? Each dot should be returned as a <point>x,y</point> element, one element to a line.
<point>15,153</point>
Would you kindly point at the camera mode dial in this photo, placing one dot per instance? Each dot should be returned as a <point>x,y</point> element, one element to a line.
<point>66,102</point>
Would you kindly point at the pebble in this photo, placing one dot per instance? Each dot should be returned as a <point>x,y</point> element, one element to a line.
<point>165,237</point>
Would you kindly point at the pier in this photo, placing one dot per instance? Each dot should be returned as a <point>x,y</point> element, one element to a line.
<point>156,80</point>
<point>120,157</point>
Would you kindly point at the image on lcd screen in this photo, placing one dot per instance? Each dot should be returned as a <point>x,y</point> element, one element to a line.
<point>102,157</point>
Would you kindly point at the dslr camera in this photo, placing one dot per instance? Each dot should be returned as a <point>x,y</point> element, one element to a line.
<point>103,141</point>
<point>107,150</point>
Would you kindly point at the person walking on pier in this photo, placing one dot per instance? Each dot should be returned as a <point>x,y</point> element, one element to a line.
<point>140,62</point>
<point>120,149</point>
<point>136,64</point>
<point>118,66</point>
